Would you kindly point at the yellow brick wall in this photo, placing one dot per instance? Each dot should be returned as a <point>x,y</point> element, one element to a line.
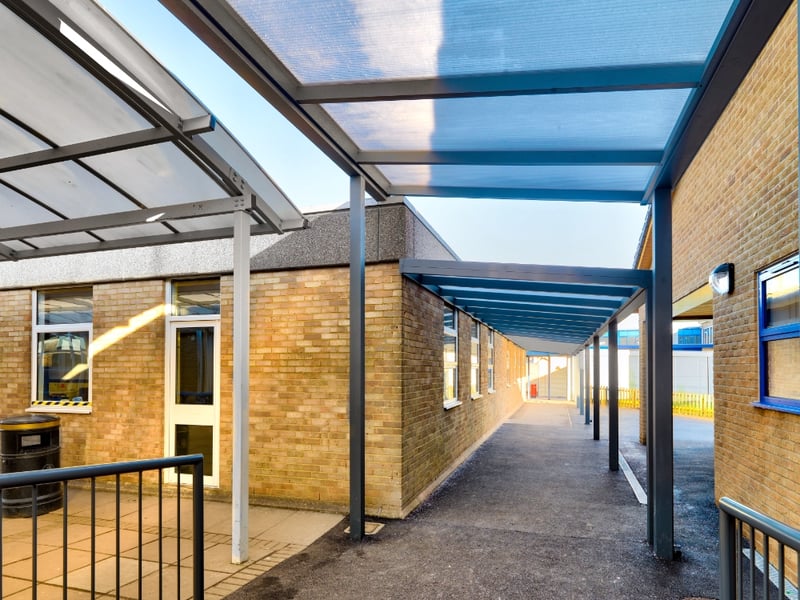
<point>127,376</point>
<point>15,366</point>
<point>738,203</point>
<point>299,365</point>
<point>299,441</point>
<point>435,438</point>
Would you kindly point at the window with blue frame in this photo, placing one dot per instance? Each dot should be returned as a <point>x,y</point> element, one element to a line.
<point>779,335</point>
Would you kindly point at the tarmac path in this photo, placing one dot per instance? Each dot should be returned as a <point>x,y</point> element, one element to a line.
<point>533,514</point>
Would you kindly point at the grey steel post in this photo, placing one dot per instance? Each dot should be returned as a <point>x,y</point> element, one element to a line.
<point>727,556</point>
<point>596,390</point>
<point>663,524</point>
<point>241,386</point>
<point>613,397</point>
<point>586,386</point>
<point>579,361</point>
<point>357,377</point>
<point>649,411</point>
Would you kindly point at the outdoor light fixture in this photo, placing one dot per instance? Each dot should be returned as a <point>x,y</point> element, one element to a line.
<point>721,278</point>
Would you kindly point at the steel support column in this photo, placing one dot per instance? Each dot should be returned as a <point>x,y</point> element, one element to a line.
<point>662,499</point>
<point>586,386</point>
<point>577,360</point>
<point>649,412</point>
<point>357,321</point>
<point>241,386</point>
<point>613,397</point>
<point>596,386</point>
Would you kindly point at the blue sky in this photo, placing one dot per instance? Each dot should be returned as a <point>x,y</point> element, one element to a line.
<point>563,233</point>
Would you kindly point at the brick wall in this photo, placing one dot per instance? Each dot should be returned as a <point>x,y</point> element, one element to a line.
<point>299,388</point>
<point>127,376</point>
<point>434,438</point>
<point>738,203</point>
<point>299,365</point>
<point>15,366</point>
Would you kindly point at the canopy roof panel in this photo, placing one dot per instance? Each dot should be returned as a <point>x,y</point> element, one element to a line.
<point>616,84</point>
<point>548,100</point>
<point>542,307</point>
<point>101,147</point>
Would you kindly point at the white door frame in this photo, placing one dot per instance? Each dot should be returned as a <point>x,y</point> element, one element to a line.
<point>191,414</point>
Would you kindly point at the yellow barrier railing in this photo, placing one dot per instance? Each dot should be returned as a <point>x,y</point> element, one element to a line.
<point>683,403</point>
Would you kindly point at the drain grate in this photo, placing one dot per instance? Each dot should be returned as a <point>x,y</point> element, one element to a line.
<point>371,528</point>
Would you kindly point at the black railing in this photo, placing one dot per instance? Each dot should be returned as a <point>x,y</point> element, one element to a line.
<point>747,536</point>
<point>34,479</point>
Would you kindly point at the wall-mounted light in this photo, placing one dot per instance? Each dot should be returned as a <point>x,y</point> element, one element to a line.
<point>721,278</point>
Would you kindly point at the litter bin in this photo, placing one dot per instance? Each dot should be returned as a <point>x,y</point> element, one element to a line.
<point>30,443</point>
<point>534,391</point>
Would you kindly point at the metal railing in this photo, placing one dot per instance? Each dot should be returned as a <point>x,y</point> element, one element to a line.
<point>747,536</point>
<point>683,403</point>
<point>34,479</point>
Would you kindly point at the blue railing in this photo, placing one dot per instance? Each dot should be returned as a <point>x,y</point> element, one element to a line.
<point>47,477</point>
<point>742,531</point>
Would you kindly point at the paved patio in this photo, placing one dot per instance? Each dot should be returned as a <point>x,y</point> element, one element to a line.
<point>276,534</point>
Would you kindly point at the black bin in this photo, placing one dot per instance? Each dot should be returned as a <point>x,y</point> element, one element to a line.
<point>30,443</point>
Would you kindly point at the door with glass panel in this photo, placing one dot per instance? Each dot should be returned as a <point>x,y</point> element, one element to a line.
<point>193,394</point>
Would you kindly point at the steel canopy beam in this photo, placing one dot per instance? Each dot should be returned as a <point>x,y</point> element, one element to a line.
<point>532,273</point>
<point>190,210</point>
<point>136,242</point>
<point>517,193</point>
<point>446,283</point>
<point>566,81</point>
<point>511,157</point>
<point>520,309</point>
<point>223,31</point>
<point>115,143</point>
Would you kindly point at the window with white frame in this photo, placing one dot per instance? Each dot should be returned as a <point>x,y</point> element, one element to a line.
<point>490,365</point>
<point>475,360</point>
<point>450,350</point>
<point>779,335</point>
<point>62,334</point>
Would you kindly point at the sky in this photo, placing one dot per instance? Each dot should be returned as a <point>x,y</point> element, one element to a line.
<point>517,231</point>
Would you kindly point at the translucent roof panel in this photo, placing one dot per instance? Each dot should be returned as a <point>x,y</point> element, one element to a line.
<point>101,147</point>
<point>609,121</point>
<point>327,41</point>
<point>86,108</point>
<point>69,189</point>
<point>158,175</point>
<point>581,177</point>
<point>15,140</point>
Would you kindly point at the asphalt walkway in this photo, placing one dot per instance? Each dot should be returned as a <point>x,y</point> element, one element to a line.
<point>533,514</point>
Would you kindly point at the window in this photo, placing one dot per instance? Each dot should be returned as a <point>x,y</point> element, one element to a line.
<point>475,360</point>
<point>779,335</point>
<point>193,298</point>
<point>450,347</point>
<point>490,366</point>
<point>62,335</point>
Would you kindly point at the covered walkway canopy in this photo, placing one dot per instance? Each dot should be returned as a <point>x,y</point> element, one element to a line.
<point>581,101</point>
<point>543,308</point>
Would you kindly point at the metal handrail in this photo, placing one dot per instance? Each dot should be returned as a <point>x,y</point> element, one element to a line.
<point>92,472</point>
<point>732,515</point>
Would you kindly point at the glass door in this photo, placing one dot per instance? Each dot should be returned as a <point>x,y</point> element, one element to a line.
<point>193,394</point>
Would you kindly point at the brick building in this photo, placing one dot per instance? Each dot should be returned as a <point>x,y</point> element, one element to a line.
<point>738,203</point>
<point>159,330</point>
